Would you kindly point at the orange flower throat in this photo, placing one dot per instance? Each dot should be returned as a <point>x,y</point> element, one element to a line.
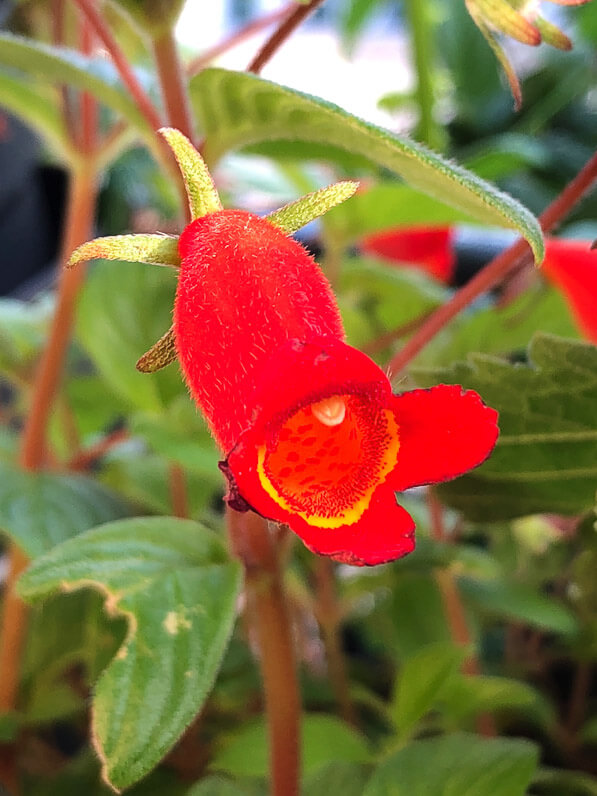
<point>328,458</point>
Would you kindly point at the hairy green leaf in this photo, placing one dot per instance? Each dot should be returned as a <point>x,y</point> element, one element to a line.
<point>238,109</point>
<point>174,583</point>
<point>324,738</point>
<point>546,457</point>
<point>40,510</point>
<point>456,765</point>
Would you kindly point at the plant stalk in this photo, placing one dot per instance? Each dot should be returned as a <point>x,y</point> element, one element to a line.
<point>329,617</point>
<point>421,29</point>
<point>173,83</point>
<point>495,271</point>
<point>268,614</point>
<point>279,36</point>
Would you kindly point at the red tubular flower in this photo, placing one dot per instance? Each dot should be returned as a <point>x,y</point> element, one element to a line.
<point>329,446</point>
<point>315,437</point>
<point>429,248</point>
<point>572,267</point>
<point>244,289</point>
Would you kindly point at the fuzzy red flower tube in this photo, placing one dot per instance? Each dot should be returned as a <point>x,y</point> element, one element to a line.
<point>311,432</point>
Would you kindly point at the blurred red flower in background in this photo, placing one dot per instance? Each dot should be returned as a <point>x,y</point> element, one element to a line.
<point>570,265</point>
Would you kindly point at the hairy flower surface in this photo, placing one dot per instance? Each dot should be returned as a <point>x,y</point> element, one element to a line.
<point>312,434</point>
<point>570,265</point>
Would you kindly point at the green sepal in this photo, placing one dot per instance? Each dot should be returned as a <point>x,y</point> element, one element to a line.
<point>150,249</point>
<point>160,355</point>
<point>295,215</point>
<point>201,191</point>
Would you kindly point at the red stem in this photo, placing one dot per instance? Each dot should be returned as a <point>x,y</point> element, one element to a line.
<point>173,83</point>
<point>329,617</point>
<point>178,491</point>
<point>279,36</point>
<point>268,613</point>
<point>206,57</point>
<point>454,608</point>
<point>120,60</point>
<point>496,270</point>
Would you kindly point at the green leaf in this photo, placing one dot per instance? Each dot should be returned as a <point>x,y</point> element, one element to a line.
<point>560,782</point>
<point>237,109</point>
<point>415,616</point>
<point>56,65</point>
<point>546,457</point>
<point>23,332</point>
<point>180,434</point>
<point>295,215</point>
<point>175,585</point>
<point>201,191</point>
<point>220,786</point>
<point>324,739</point>
<point>35,107</point>
<point>468,696</point>
<point>145,479</point>
<point>502,330</point>
<point>347,779</point>
<point>40,510</point>
<point>423,678</point>
<point>520,602</point>
<point>149,249</point>
<point>123,309</point>
<point>456,765</point>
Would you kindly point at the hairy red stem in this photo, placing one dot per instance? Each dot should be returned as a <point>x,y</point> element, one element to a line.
<point>173,82</point>
<point>268,614</point>
<point>121,63</point>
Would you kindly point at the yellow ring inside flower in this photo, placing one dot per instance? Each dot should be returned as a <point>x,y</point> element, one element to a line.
<point>327,473</point>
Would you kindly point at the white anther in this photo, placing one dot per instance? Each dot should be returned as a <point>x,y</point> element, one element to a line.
<point>330,411</point>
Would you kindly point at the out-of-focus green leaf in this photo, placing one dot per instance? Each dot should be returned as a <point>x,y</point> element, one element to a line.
<point>144,479</point>
<point>423,678</point>
<point>469,696</point>
<point>520,602</point>
<point>502,330</point>
<point>324,739</point>
<point>23,332</point>
<point>561,782</point>
<point>412,616</point>
<point>55,65</point>
<point>237,109</point>
<point>344,779</point>
<point>39,510</point>
<point>34,106</point>
<point>456,765</point>
<point>180,434</point>
<point>123,309</point>
<point>546,457</point>
<point>216,785</point>
<point>173,581</point>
